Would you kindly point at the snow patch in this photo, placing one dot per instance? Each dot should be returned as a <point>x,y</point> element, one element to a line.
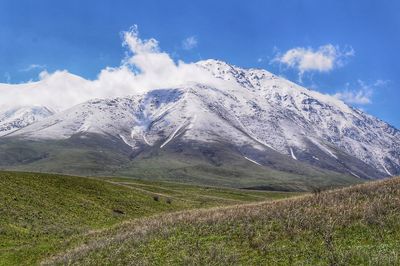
<point>293,156</point>
<point>145,139</point>
<point>325,149</point>
<point>247,158</point>
<point>331,153</point>
<point>126,141</point>
<point>84,128</point>
<point>386,170</point>
<point>355,174</point>
<point>173,134</point>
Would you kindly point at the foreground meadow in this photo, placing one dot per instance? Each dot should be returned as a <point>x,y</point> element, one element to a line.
<point>44,214</point>
<point>359,225</point>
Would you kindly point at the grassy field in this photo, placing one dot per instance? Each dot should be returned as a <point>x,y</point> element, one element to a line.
<point>359,225</point>
<point>44,214</point>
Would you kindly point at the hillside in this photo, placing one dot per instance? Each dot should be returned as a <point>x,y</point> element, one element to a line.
<point>359,225</point>
<point>206,164</point>
<point>43,214</point>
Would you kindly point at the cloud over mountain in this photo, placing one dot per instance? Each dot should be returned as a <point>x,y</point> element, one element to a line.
<point>145,67</point>
<point>323,59</point>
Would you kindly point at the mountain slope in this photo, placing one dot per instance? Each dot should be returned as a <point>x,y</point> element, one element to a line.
<point>249,115</point>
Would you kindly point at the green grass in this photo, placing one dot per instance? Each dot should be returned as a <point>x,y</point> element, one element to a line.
<point>237,173</point>
<point>44,214</point>
<point>99,156</point>
<point>359,225</point>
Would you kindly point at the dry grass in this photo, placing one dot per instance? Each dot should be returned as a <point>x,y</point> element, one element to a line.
<point>354,225</point>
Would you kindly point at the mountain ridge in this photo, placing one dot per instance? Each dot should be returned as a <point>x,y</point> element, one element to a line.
<point>254,110</point>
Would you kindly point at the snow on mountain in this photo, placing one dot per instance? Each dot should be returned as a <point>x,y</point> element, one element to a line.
<point>20,117</point>
<point>293,116</point>
<point>251,108</point>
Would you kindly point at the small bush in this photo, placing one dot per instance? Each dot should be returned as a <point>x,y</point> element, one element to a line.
<point>316,190</point>
<point>117,211</point>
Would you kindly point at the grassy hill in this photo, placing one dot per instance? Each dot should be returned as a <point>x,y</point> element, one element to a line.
<point>359,225</point>
<point>44,214</point>
<point>212,165</point>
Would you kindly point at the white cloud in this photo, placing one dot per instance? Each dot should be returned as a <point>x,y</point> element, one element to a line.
<point>362,94</point>
<point>189,43</point>
<point>323,59</point>
<point>145,67</point>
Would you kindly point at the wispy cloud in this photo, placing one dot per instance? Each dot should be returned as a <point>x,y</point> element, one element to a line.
<point>381,83</point>
<point>7,76</point>
<point>361,94</point>
<point>189,43</point>
<point>323,59</point>
<point>33,67</point>
<point>358,97</point>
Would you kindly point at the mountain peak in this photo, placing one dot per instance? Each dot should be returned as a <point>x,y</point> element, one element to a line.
<point>20,117</point>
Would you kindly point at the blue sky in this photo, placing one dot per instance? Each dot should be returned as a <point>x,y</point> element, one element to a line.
<point>344,48</point>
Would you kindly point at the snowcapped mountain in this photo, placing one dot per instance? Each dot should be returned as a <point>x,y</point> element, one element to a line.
<point>259,116</point>
<point>17,118</point>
